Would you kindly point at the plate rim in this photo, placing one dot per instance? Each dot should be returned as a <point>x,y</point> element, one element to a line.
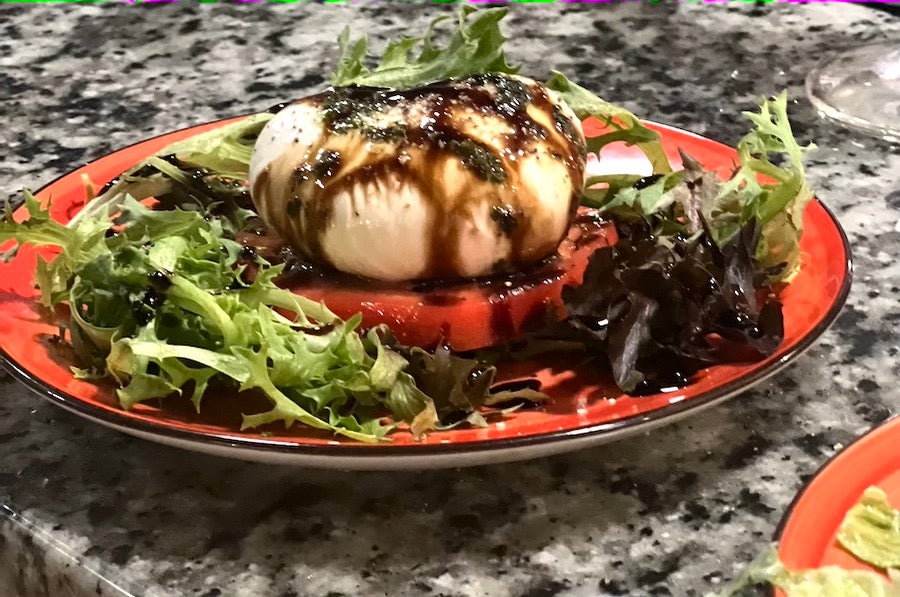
<point>597,431</point>
<point>820,470</point>
<point>891,421</point>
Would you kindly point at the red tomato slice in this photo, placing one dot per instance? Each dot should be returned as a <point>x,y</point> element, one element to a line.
<point>467,314</point>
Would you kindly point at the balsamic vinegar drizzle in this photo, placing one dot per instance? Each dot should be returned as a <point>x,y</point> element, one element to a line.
<point>302,272</point>
<point>369,115</point>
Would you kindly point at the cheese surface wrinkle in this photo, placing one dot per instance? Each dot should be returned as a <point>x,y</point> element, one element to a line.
<point>460,178</point>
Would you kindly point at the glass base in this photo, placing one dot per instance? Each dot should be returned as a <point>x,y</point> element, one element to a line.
<point>861,89</point>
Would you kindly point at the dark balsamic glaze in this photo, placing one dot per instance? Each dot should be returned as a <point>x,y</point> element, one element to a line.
<point>247,253</point>
<point>108,186</point>
<point>502,322</point>
<point>668,381</point>
<point>159,280</point>
<point>142,315</point>
<point>300,273</point>
<point>516,385</point>
<point>507,218</point>
<point>646,181</point>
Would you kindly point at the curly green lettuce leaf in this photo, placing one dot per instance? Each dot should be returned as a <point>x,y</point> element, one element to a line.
<point>161,307</point>
<point>160,304</point>
<point>475,47</point>
<point>223,153</point>
<point>205,325</point>
<point>633,197</point>
<point>775,194</point>
<point>624,126</point>
<point>769,187</point>
<point>225,150</point>
<point>671,204</point>
<point>828,581</point>
<point>79,245</point>
<point>871,530</point>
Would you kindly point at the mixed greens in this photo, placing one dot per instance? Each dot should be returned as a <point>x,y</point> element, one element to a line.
<point>160,301</point>
<point>163,299</point>
<point>696,257</point>
<point>161,305</point>
<point>474,47</point>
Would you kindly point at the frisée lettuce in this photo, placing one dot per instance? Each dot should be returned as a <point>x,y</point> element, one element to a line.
<point>475,46</point>
<point>160,301</point>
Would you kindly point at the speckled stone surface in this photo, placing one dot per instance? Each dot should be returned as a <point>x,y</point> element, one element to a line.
<point>87,511</point>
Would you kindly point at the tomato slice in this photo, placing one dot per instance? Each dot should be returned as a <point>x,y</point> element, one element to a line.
<point>465,314</point>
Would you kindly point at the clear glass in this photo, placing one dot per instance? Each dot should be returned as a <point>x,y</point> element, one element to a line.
<point>860,88</point>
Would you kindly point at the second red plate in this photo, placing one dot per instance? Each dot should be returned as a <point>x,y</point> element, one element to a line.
<point>809,533</point>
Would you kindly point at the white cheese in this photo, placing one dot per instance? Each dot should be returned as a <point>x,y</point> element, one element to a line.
<point>445,181</point>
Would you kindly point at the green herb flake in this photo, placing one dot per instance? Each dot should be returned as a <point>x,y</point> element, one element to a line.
<point>480,160</point>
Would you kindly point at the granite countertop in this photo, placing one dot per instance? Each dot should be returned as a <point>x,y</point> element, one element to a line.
<point>88,511</point>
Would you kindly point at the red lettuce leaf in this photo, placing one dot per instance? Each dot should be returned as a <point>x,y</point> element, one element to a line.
<point>661,308</point>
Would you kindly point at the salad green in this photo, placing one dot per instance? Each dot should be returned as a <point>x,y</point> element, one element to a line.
<point>871,530</point>
<point>162,307</point>
<point>681,202</point>
<point>827,581</point>
<point>205,169</point>
<point>475,47</point>
<point>164,300</point>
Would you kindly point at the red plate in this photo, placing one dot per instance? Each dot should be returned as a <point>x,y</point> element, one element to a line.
<point>808,537</point>
<point>587,409</point>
